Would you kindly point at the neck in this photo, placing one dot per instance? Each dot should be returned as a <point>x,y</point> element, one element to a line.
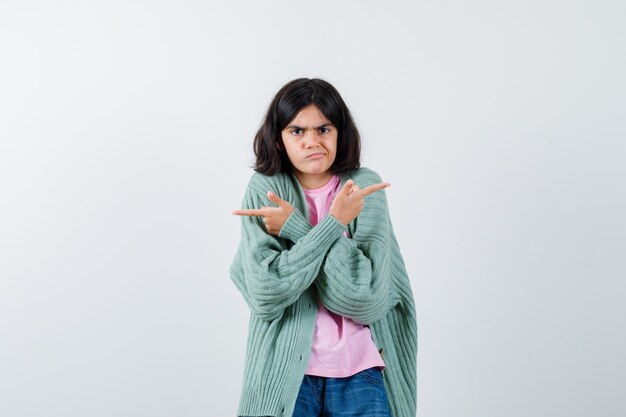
<point>313,181</point>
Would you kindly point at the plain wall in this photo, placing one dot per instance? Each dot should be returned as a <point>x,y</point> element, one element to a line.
<point>125,143</point>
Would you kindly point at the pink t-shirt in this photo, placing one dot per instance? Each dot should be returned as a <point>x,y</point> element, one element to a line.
<point>341,347</point>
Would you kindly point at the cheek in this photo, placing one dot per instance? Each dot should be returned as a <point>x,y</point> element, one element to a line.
<point>291,151</point>
<point>333,145</point>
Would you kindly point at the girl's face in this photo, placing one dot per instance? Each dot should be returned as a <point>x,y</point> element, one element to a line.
<point>310,141</point>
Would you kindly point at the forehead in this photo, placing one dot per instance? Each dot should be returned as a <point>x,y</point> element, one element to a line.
<point>310,115</point>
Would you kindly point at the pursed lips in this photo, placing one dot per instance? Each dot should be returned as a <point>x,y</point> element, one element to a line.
<point>316,154</point>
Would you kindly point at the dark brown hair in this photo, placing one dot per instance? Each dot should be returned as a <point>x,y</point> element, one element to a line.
<point>290,99</point>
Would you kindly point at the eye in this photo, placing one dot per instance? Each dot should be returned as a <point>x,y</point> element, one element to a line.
<point>296,132</point>
<point>324,130</point>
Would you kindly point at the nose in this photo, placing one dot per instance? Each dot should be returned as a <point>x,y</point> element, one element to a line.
<point>311,138</point>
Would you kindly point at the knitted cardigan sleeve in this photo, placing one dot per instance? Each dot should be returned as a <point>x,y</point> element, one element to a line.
<point>270,273</point>
<point>355,278</point>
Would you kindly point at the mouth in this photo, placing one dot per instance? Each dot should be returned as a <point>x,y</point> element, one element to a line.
<point>316,155</point>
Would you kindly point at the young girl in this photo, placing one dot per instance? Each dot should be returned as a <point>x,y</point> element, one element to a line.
<point>321,271</point>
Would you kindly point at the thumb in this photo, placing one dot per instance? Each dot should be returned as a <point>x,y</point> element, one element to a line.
<point>345,190</point>
<point>277,200</point>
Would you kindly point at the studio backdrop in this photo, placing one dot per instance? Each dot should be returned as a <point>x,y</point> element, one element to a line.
<point>126,133</point>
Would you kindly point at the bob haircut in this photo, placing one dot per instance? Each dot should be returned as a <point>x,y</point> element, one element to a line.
<point>271,157</point>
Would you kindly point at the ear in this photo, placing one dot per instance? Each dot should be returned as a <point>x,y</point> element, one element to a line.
<point>280,146</point>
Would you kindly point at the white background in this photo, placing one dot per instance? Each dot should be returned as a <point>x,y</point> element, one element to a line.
<point>125,143</point>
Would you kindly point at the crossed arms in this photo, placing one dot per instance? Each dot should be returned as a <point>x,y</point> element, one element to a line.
<point>352,275</point>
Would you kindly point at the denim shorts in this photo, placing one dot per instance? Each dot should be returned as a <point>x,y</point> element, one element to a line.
<point>362,394</point>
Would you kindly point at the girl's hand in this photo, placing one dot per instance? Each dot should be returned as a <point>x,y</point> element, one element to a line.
<point>273,217</point>
<point>348,203</point>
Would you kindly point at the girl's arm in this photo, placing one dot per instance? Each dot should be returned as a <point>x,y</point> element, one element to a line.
<point>270,275</point>
<point>356,279</point>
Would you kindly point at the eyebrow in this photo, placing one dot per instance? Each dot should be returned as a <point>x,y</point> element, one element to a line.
<point>304,128</point>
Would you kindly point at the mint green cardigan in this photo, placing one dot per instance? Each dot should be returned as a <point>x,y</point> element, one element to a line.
<point>363,278</point>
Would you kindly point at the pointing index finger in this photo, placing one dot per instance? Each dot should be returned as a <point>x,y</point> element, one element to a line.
<point>375,187</point>
<point>250,212</point>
